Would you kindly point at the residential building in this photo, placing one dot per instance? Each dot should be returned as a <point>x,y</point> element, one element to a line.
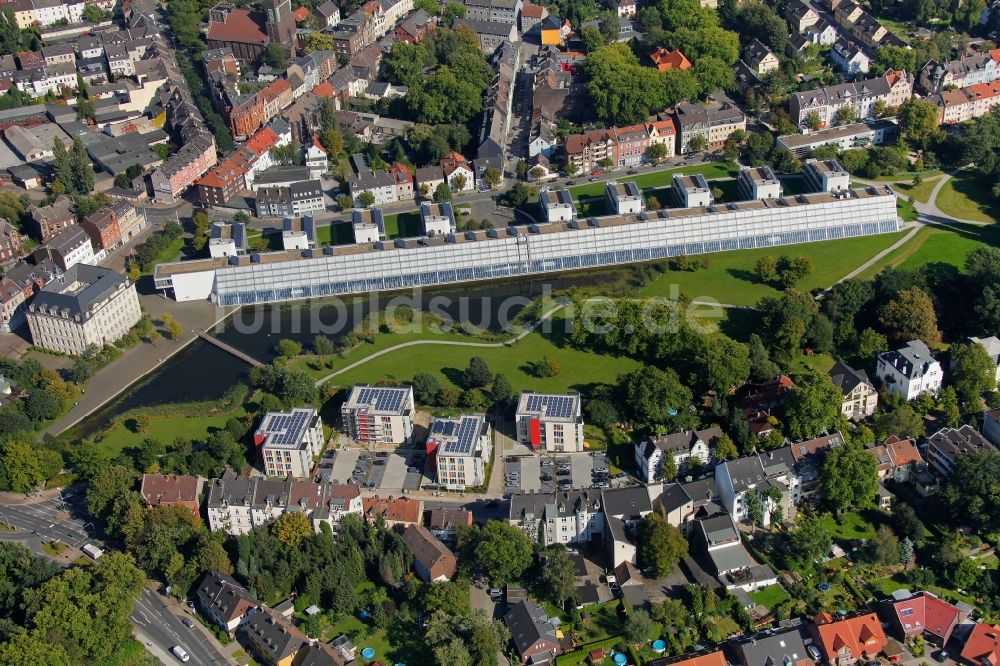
<point>921,614</point>
<point>850,58</point>
<point>910,371</point>
<point>227,240</point>
<point>892,89</point>
<point>844,642</point>
<point>964,72</point>
<point>171,489</point>
<point>633,142</point>
<point>587,151</point>
<point>668,59</point>
<point>783,646</point>
<point>827,175</point>
<point>183,168</point>
<point>844,137</point>
<point>11,247</point>
<point>224,601</point>
<point>808,457</point>
<point>898,459</point>
<point>221,184</point>
<point>535,637</point>
<point>437,219</point>
<point>558,205</point>
<point>759,473</point>
<point>860,397</point>
<point>715,124</point>
<point>624,198</point>
<point>288,442</point>
<point>270,638</point>
<point>549,422</point>
<point>238,504</point>
<point>238,29</point>
<point>758,183</point>
<point>760,58</point>
<point>732,564</point>
<point>316,158</point>
<point>305,199</point>
<point>991,346</point>
<point>52,219</point>
<point>443,521</point>
<point>565,517</point>
<point>684,504</point>
<point>87,305</point>
<point>983,644</point>
<point>428,178</point>
<point>991,426</point>
<point>459,449</point>
<point>368,224</point>
<point>392,510</point>
<point>691,191</point>
<point>328,15</point>
<point>432,561</point>
<point>801,15</point>
<point>491,34</point>
<point>395,184</point>
<point>663,130</point>
<point>943,448</point>
<point>531,16</point>
<point>681,446</point>
<point>502,11</point>
<point>102,227</point>
<point>415,27</point>
<point>375,415</point>
<point>624,508</point>
<point>18,286</point>
<point>458,172</point>
<point>824,33</point>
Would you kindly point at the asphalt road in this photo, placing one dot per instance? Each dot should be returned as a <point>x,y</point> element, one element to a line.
<point>155,623</point>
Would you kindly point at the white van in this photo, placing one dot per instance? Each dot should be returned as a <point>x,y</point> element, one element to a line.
<point>180,653</point>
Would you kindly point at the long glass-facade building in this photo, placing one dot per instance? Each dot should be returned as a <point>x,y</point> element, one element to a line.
<point>563,246</point>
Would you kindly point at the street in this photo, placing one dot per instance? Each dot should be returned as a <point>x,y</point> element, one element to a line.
<point>155,620</point>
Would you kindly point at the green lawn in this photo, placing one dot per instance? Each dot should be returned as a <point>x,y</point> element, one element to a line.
<point>403,225</point>
<point>729,277</point>
<point>579,369</point>
<point>164,430</point>
<point>966,197</point>
<point>170,253</point>
<point>364,635</point>
<point>907,211</point>
<point>335,234</point>
<point>657,179</point>
<point>794,185</point>
<point>820,363</point>
<point>921,192</point>
<point>851,526</point>
<point>887,585</point>
<point>770,596</point>
<point>946,244</point>
<point>907,176</point>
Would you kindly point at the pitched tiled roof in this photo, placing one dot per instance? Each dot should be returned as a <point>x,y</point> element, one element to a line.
<point>239,26</point>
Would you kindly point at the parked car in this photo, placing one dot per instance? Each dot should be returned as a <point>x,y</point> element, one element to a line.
<point>546,463</point>
<point>380,461</point>
<point>382,454</point>
<point>187,623</point>
<point>570,183</point>
<point>595,172</point>
<point>631,172</point>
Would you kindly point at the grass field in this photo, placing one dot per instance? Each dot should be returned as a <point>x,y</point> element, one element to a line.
<point>657,179</point>
<point>170,253</point>
<point>579,369</point>
<point>946,244</point>
<point>852,525</point>
<point>403,225</point>
<point>770,596</point>
<point>907,211</point>
<point>921,192</point>
<point>965,197</point>
<point>164,430</point>
<point>908,176</point>
<point>335,234</point>
<point>729,277</point>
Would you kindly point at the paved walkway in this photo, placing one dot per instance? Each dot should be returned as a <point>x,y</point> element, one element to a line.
<point>417,343</point>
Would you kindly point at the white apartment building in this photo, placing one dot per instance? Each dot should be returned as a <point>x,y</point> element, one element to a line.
<point>550,422</point>
<point>681,446</point>
<point>691,191</point>
<point>910,371</point>
<point>288,441</point>
<point>437,219</point>
<point>558,205</point>
<point>86,305</point>
<point>758,183</point>
<point>228,240</point>
<point>827,176</point>
<point>461,448</point>
<point>736,479</point>
<point>375,415</point>
<point>565,517</point>
<point>369,225</point>
<point>625,198</point>
<point>860,397</point>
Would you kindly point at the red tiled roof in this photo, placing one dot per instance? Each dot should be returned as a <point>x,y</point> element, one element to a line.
<point>903,452</point>
<point>164,489</point>
<point>926,612</point>
<point>262,141</point>
<point>239,27</point>
<point>222,175</point>
<point>667,59</point>
<point>711,659</point>
<point>301,14</point>
<point>983,645</point>
<point>401,509</point>
<point>274,90</point>
<point>323,90</point>
<point>894,75</point>
<point>861,635</point>
<point>533,11</point>
<point>577,142</point>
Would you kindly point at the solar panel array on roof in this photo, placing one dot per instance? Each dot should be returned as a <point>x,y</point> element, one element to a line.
<point>468,433</point>
<point>383,399</point>
<point>240,235</point>
<point>285,429</point>
<point>556,406</point>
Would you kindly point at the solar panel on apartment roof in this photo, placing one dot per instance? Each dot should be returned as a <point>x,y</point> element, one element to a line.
<point>468,431</point>
<point>384,399</point>
<point>284,429</point>
<point>556,406</point>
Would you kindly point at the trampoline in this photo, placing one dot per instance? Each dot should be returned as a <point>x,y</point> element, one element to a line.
<point>368,654</point>
<point>659,646</point>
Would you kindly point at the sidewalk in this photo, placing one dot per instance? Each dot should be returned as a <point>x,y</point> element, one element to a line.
<point>19,499</point>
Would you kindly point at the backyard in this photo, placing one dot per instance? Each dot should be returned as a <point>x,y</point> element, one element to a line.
<point>162,429</point>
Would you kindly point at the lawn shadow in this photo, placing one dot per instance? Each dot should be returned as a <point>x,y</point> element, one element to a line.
<point>740,323</point>
<point>454,375</point>
<point>745,275</point>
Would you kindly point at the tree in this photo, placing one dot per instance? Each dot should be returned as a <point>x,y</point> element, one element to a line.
<point>906,551</point>
<point>844,116</point>
<point>110,483</point>
<point>849,478</point>
<point>813,405</point>
<point>425,388</point>
<point>973,489</point>
<point>473,399</point>
<point>366,199</point>
<point>906,522</point>
<point>785,320</point>
<point>871,343</point>
<point>792,269</point>
<point>972,372</point>
<point>442,192</point>
<point>698,143</point>
<point>501,390</point>
<point>884,548</point>
<point>661,545</point>
<point>755,508</point>
<point>813,121</point>
<point>41,405</point>
<point>274,56</point>
<point>287,348</point>
<point>318,41</point>
<point>81,168</point>
<point>558,576</point>
<point>725,448</point>
<point>657,397</point>
<point>895,57</point>
<point>766,269</point>
<point>452,12</point>
<point>448,396</point>
<point>173,327</point>
<point>918,118</point>
<point>292,528</point>
<point>902,420</point>
<point>502,551</point>
<point>910,316</point>
<point>638,627</point>
<point>762,368</point>
<point>810,541</point>
<point>657,152</point>
<point>722,363</point>
<point>322,346</point>
<point>19,471</point>
<point>493,177</point>
<point>477,374</point>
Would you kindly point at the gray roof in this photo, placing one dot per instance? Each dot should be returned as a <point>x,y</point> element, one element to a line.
<point>482,27</point>
<point>912,361</point>
<point>847,378</point>
<point>953,441</point>
<point>221,593</point>
<point>528,624</point>
<point>719,529</point>
<point>627,502</point>
<point>273,634</point>
<point>682,441</point>
<point>99,283</point>
<point>781,648</point>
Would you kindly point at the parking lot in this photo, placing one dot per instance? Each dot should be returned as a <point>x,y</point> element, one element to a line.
<point>384,470</point>
<point>545,473</point>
